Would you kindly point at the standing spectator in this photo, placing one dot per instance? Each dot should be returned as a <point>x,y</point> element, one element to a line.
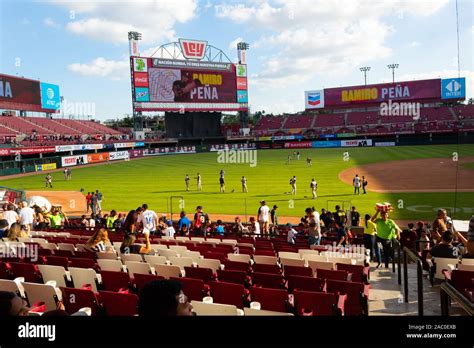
<point>439,225</point>
<point>89,201</point>
<point>420,227</point>
<point>342,236</point>
<point>56,220</point>
<point>327,218</point>
<point>110,220</point>
<point>41,222</point>
<point>148,219</point>
<point>99,199</point>
<point>356,183</point>
<point>201,222</point>
<point>274,216</point>
<point>314,229</point>
<point>340,217</point>
<point>364,184</point>
<point>263,217</point>
<point>130,223</point>
<point>387,230</point>
<point>355,217</point>
<point>10,215</point>
<point>92,221</point>
<point>291,237</point>
<point>183,224</point>
<point>94,203</point>
<point>370,243</point>
<point>408,238</point>
<point>26,216</point>
<point>118,224</point>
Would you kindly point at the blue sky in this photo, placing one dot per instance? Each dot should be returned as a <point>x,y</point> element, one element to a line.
<point>296,45</point>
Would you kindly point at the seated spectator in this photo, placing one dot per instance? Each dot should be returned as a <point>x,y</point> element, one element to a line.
<point>160,298</point>
<point>98,240</point>
<point>169,230</point>
<point>41,220</point>
<point>84,222</point>
<point>238,227</point>
<point>445,248</point>
<point>408,237</point>
<point>220,228</point>
<point>291,237</point>
<point>254,226</point>
<point>92,221</point>
<point>128,246</point>
<point>11,305</point>
<point>3,228</point>
<point>15,232</point>
<point>118,224</point>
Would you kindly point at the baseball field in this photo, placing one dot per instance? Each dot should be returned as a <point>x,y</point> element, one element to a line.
<point>416,180</point>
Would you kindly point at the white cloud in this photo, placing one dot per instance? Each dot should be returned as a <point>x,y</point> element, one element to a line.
<point>111,21</point>
<point>116,70</point>
<point>50,23</point>
<point>233,44</point>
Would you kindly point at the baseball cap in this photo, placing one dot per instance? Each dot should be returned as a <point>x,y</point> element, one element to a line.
<point>275,206</point>
<point>263,202</point>
<point>169,223</point>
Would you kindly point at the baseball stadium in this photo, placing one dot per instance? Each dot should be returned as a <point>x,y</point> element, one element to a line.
<point>359,204</point>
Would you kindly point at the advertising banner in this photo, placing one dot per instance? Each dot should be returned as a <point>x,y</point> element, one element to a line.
<point>385,143</point>
<point>69,161</point>
<point>169,150</point>
<point>140,79</point>
<point>352,143</point>
<point>18,90</point>
<point>50,97</point>
<point>224,147</point>
<point>378,93</point>
<point>119,155</point>
<point>26,150</point>
<point>329,143</point>
<point>122,145</point>
<point>135,153</point>
<point>298,145</point>
<point>314,99</point>
<point>191,86</point>
<point>46,166</point>
<point>327,136</point>
<point>98,157</point>
<point>453,88</point>
<point>80,147</point>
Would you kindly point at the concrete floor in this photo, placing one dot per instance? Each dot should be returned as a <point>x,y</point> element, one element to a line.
<point>386,296</point>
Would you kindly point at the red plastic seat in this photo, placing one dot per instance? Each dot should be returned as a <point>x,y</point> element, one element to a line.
<point>236,277</point>
<point>26,270</point>
<point>267,280</point>
<point>63,253</point>
<point>236,266</point>
<point>360,274</point>
<point>119,304</point>
<point>84,255</point>
<point>5,272</point>
<point>115,281</point>
<point>228,293</point>
<point>141,279</point>
<point>270,299</point>
<point>75,299</point>
<point>82,263</point>
<point>265,252</point>
<point>205,274</point>
<point>45,252</point>
<point>357,302</point>
<point>215,255</point>
<point>195,289</point>
<point>304,283</point>
<point>298,271</point>
<point>318,303</point>
<point>463,281</point>
<point>263,268</point>
<point>57,261</point>
<point>334,275</point>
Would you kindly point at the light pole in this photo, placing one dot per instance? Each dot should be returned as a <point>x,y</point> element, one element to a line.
<point>364,69</point>
<point>133,37</point>
<point>393,67</point>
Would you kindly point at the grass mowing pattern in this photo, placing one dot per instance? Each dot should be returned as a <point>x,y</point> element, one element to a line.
<point>153,180</point>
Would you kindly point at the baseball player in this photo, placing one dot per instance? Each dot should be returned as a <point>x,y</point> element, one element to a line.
<point>244,184</point>
<point>199,185</point>
<point>314,186</point>
<point>186,181</point>
<point>49,181</point>
<point>293,185</point>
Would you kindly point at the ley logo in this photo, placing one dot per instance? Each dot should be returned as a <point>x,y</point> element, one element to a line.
<point>193,49</point>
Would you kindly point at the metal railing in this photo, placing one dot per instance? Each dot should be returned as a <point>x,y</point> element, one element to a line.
<point>396,246</point>
<point>447,292</point>
<point>408,254</point>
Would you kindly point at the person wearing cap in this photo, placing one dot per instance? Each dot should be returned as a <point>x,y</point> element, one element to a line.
<point>439,225</point>
<point>387,230</point>
<point>169,231</point>
<point>291,237</point>
<point>244,184</point>
<point>293,185</point>
<point>313,186</point>
<point>263,217</point>
<point>200,222</point>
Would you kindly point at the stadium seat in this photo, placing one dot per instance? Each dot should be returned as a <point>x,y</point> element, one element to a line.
<point>119,304</point>
<point>265,252</point>
<point>82,277</point>
<point>228,293</point>
<point>63,253</point>
<point>299,271</point>
<point>66,246</point>
<point>205,274</point>
<point>289,255</point>
<point>238,257</point>
<point>202,308</point>
<point>440,264</point>
<point>42,293</point>
<point>357,302</point>
<point>267,280</point>
<point>168,253</point>
<point>264,268</point>
<point>28,271</point>
<point>267,260</point>
<point>195,289</point>
<point>178,248</point>
<point>56,273</point>
<point>236,277</point>
<point>12,286</point>
<point>270,299</point>
<point>181,262</point>
<point>155,260</point>
<point>139,280</point>
<point>134,267</point>
<point>209,263</point>
<point>75,299</point>
<point>296,282</point>
<point>334,275</point>
<point>292,262</point>
<point>236,266</point>
<point>82,263</point>
<point>461,280</point>
<point>258,312</point>
<point>131,257</point>
<point>107,255</point>
<point>359,273</point>
<point>318,303</point>
<point>57,261</point>
<point>314,265</point>
<point>115,281</point>
<point>168,271</point>
<point>110,265</point>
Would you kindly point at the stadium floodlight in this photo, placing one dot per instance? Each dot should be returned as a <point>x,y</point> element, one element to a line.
<point>243,46</point>
<point>393,67</point>
<point>365,69</point>
<point>133,35</point>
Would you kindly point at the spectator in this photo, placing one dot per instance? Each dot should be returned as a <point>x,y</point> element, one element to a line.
<point>439,225</point>
<point>370,232</point>
<point>98,240</point>
<point>41,222</point>
<point>420,227</point>
<point>387,230</point>
<point>408,238</point>
<point>92,221</point>
<point>327,218</point>
<point>110,221</point>
<point>89,201</point>
<point>291,237</point>
<point>183,224</point>
<point>445,248</point>
<point>56,220</point>
<point>94,203</point>
<point>355,217</point>
<point>99,199</point>
<point>201,222</point>
<point>118,224</point>
<point>84,222</point>
<point>130,223</point>
<point>160,298</point>
<point>220,228</point>
<point>128,246</point>
<point>10,215</point>
<point>314,231</point>
<point>340,217</point>
<point>148,219</point>
<point>3,228</point>
<point>263,217</point>
<point>27,216</point>
<point>16,232</point>
<point>254,226</point>
<point>12,305</point>
<point>274,216</point>
<point>238,227</point>
<point>169,230</point>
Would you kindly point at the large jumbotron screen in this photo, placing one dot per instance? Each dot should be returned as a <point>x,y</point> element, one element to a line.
<point>175,85</point>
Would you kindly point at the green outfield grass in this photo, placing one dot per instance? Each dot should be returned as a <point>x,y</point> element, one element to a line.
<point>153,180</point>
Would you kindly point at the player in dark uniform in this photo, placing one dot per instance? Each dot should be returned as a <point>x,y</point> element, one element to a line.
<point>222,181</point>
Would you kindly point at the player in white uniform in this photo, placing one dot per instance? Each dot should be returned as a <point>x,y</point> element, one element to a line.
<point>293,185</point>
<point>314,186</point>
<point>244,184</point>
<point>356,183</point>
<point>199,185</point>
